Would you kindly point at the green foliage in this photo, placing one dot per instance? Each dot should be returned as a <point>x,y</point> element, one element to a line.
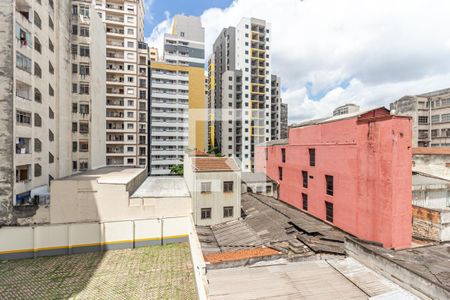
<point>177,170</point>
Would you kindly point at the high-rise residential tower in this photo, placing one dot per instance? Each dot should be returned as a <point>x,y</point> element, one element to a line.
<point>126,81</point>
<point>38,110</point>
<point>178,107</point>
<point>240,95</point>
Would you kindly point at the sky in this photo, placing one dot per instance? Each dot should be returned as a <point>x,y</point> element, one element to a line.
<point>332,52</point>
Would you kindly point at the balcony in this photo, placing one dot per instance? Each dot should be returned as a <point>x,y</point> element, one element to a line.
<point>110,18</point>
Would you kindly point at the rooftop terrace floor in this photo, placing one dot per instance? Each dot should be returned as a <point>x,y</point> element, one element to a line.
<point>158,272</point>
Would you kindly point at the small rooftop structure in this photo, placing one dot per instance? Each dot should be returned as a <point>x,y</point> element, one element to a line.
<point>162,187</point>
<point>214,164</point>
<point>111,175</point>
<point>345,109</point>
<point>255,177</point>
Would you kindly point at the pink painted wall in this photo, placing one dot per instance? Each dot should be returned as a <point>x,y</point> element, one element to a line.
<point>369,158</point>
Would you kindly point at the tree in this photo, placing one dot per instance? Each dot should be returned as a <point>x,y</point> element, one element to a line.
<point>176,170</point>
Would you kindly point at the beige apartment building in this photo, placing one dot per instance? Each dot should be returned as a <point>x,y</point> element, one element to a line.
<point>430,113</point>
<point>126,81</point>
<point>66,66</point>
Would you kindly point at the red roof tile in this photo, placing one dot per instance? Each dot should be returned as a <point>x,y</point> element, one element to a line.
<point>205,164</point>
<point>430,151</point>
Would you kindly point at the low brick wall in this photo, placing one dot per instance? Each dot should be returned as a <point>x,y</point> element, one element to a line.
<point>426,223</point>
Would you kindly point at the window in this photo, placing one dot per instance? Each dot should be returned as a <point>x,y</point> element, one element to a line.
<point>423,119</point>
<point>50,23</point>
<point>51,136</point>
<point>51,114</point>
<point>37,145</point>
<point>84,11</point>
<point>83,165</point>
<point>84,109</point>
<point>51,158</point>
<point>74,126</point>
<point>283,155</point>
<point>74,68</point>
<point>37,70</point>
<point>23,62</point>
<point>74,29</point>
<point>206,213</point>
<point>84,69</point>
<point>435,119</point>
<point>37,45</point>
<point>227,211</point>
<point>280,173</point>
<point>305,179</point>
<point>445,118</point>
<point>23,117</point>
<point>312,157</point>
<point>84,51</point>
<point>37,20</point>
<point>84,31</point>
<point>329,211</point>
<point>74,165</point>
<point>74,10</point>
<point>37,120</point>
<point>74,88</point>
<point>83,146</point>
<point>329,180</point>
<point>74,49</point>
<point>50,68</point>
<point>84,88</point>
<point>84,127</point>
<point>305,201</point>
<point>228,186</point>
<point>37,170</point>
<point>51,91</point>
<point>74,147</point>
<point>37,95</point>
<point>50,45</point>
<point>205,187</point>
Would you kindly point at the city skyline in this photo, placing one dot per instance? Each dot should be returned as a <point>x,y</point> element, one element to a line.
<point>359,53</point>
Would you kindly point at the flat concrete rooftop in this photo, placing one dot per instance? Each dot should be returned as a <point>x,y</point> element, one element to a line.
<point>112,175</point>
<point>162,187</point>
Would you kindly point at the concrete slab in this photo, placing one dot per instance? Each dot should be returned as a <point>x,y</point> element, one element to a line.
<point>162,187</point>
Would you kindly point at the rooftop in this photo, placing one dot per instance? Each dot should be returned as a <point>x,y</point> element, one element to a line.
<point>435,93</point>
<point>162,187</point>
<point>419,179</point>
<point>156,272</point>
<point>268,222</point>
<point>214,164</point>
<point>250,177</point>
<point>112,175</point>
<point>430,151</point>
<point>275,142</point>
<point>320,279</point>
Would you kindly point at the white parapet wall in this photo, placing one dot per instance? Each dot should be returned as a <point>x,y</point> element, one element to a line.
<point>61,239</point>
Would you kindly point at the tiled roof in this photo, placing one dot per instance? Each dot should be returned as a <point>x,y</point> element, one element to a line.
<point>430,151</point>
<point>207,164</point>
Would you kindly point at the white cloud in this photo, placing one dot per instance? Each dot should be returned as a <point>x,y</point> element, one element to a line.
<point>383,49</point>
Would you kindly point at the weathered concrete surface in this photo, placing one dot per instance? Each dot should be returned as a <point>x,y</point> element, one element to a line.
<point>7,62</point>
<point>334,279</point>
<point>424,271</point>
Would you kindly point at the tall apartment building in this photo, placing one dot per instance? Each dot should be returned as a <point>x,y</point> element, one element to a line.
<point>178,115</point>
<point>278,113</point>
<point>240,95</point>
<point>430,114</point>
<point>37,112</point>
<point>126,81</point>
<point>88,107</point>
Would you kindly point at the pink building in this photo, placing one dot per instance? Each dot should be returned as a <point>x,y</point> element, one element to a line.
<point>351,170</point>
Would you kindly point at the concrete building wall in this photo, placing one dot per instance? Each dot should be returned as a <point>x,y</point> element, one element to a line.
<point>63,239</point>
<point>369,158</point>
<point>7,111</point>
<point>90,201</point>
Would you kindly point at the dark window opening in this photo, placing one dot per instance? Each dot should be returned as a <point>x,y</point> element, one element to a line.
<point>305,179</point>
<point>330,188</point>
<point>329,209</point>
<point>305,201</point>
<point>283,155</point>
<point>206,213</point>
<point>312,157</point>
<point>280,173</point>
